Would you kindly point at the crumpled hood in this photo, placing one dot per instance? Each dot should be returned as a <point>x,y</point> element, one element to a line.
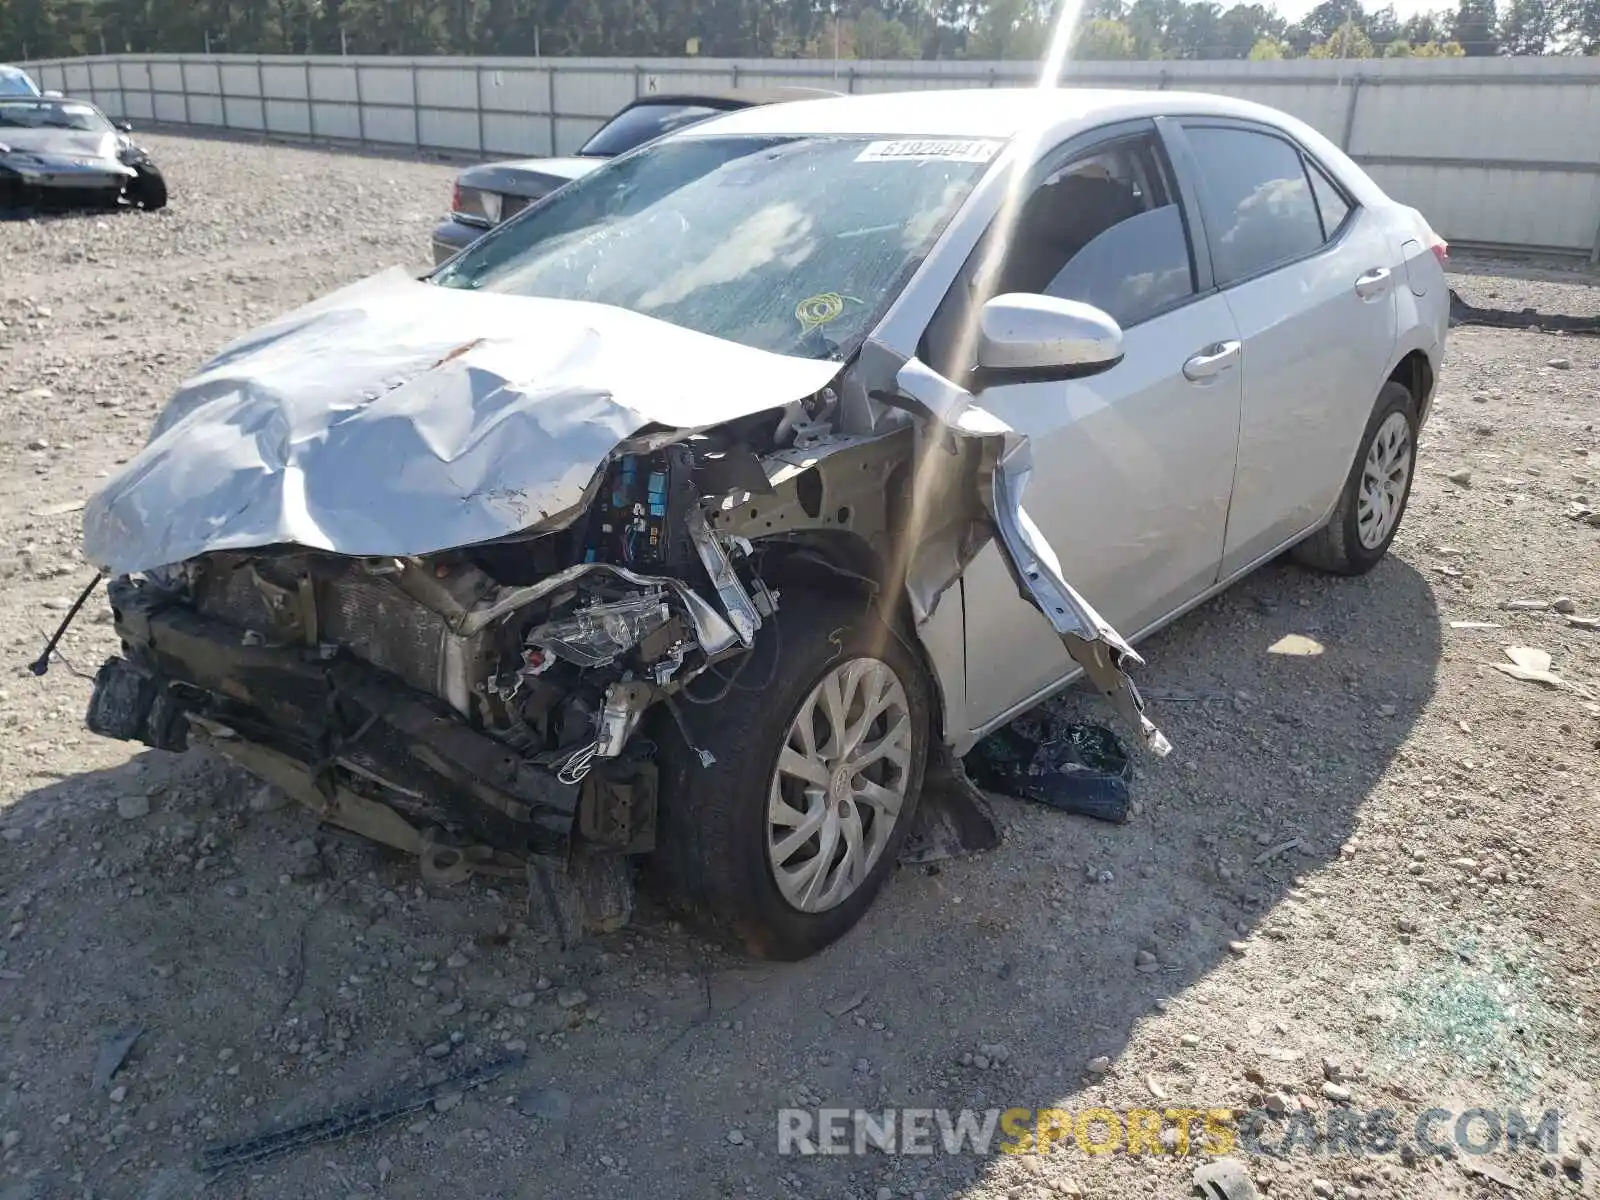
<point>64,143</point>
<point>396,418</point>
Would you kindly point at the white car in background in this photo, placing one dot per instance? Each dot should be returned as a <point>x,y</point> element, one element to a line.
<point>14,81</point>
<point>682,516</point>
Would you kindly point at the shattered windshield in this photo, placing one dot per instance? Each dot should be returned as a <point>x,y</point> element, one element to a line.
<point>787,244</point>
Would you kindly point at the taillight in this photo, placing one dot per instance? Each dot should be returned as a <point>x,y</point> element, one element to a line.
<point>1440,248</point>
<point>455,199</point>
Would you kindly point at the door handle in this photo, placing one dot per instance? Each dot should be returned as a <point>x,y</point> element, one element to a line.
<point>1373,283</point>
<point>1211,362</point>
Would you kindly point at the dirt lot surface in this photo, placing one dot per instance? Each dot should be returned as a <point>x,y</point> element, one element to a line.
<point>1364,880</point>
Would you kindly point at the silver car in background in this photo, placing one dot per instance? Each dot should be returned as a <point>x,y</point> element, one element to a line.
<point>493,192</point>
<point>58,153</point>
<point>703,512</point>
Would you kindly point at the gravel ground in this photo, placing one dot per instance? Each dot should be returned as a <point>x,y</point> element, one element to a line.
<point>1428,940</point>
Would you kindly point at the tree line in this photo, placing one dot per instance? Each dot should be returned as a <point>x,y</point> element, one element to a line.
<point>931,29</point>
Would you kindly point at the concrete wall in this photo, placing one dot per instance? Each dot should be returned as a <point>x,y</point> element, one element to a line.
<point>1496,151</point>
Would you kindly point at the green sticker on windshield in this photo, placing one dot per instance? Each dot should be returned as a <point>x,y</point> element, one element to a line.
<point>816,311</point>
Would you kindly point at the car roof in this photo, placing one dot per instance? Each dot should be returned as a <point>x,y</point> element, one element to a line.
<point>735,98</point>
<point>975,112</point>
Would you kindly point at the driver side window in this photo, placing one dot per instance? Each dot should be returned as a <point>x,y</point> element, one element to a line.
<point>1104,228</point>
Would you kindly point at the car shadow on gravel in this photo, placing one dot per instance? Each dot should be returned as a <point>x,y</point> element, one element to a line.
<point>987,983</point>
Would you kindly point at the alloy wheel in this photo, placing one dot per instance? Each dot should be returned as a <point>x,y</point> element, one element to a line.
<point>1384,477</point>
<point>839,785</point>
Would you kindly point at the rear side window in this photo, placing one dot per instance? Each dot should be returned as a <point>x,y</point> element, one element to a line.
<point>1330,202</point>
<point>1258,205</point>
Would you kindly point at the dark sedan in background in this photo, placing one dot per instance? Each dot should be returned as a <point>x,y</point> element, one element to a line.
<point>494,192</point>
<point>63,153</point>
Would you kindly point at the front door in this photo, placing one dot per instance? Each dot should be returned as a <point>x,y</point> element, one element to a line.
<point>1132,469</point>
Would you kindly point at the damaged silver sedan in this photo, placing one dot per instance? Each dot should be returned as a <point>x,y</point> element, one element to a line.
<point>681,518</point>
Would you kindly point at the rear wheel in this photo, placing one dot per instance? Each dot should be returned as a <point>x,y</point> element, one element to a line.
<point>1358,534</point>
<point>148,189</point>
<point>782,843</point>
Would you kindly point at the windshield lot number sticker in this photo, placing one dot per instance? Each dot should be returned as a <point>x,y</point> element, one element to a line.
<point>948,149</point>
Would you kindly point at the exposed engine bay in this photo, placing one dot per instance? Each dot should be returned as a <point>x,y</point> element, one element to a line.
<point>554,647</point>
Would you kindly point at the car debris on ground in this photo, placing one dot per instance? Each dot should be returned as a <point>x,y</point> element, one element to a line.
<point>1070,765</point>
<point>351,1120</point>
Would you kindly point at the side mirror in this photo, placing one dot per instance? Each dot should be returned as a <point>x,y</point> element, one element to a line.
<point>52,94</point>
<point>1040,339</point>
<point>125,126</point>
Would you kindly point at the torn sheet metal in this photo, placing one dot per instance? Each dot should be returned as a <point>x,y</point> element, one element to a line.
<point>396,418</point>
<point>1099,649</point>
<point>1000,476</point>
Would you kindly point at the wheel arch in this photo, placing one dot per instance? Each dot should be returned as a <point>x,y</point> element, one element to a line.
<point>1416,374</point>
<point>843,563</point>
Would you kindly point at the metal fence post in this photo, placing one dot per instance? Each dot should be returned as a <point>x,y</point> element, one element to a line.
<point>1350,113</point>
<point>183,86</point>
<point>734,71</point>
<point>850,81</point>
<point>361,112</point>
<point>477,104</point>
<point>550,89</point>
<point>261,90</point>
<point>416,108</point>
<point>311,104</point>
<point>638,81</point>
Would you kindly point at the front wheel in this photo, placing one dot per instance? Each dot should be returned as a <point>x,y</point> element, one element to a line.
<point>148,189</point>
<point>782,843</point>
<point>1374,499</point>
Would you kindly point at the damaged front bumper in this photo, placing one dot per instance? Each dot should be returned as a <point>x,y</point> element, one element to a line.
<point>347,726</point>
<point>488,698</point>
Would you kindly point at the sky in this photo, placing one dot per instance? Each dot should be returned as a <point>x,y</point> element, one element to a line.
<point>1293,10</point>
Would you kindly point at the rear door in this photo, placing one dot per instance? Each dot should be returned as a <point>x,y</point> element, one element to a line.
<point>1310,280</point>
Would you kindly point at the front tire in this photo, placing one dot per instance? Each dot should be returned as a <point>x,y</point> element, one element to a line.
<point>149,190</point>
<point>1357,536</point>
<point>781,845</point>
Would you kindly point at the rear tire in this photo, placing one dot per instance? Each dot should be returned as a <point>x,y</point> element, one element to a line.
<point>149,189</point>
<point>717,839</point>
<point>1373,502</point>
